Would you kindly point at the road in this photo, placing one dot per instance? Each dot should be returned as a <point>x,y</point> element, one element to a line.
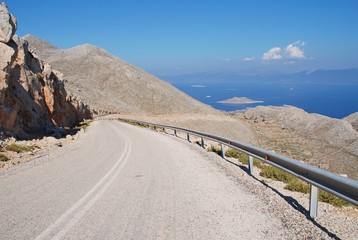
<point>124,182</point>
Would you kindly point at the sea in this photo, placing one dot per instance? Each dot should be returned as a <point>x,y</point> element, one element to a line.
<point>333,100</point>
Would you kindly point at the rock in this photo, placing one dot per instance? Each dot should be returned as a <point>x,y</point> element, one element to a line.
<point>8,24</point>
<point>69,138</point>
<point>51,141</point>
<point>7,57</point>
<point>33,98</point>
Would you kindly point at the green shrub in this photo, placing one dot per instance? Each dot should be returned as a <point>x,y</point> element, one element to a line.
<point>242,157</point>
<point>297,185</point>
<point>40,77</point>
<point>3,158</point>
<point>214,149</point>
<point>331,199</point>
<point>19,148</point>
<point>234,153</point>
<point>276,174</point>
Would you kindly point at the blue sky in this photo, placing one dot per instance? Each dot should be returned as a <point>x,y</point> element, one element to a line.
<point>185,36</point>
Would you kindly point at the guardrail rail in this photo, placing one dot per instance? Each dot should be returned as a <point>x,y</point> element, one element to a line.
<point>342,187</point>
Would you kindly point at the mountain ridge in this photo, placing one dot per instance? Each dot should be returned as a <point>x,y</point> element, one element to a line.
<point>135,91</point>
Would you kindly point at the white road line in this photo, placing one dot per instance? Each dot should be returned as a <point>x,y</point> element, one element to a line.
<point>116,169</point>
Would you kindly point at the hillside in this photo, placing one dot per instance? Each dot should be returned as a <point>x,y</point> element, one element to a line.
<point>108,83</point>
<point>326,142</point>
<point>353,119</point>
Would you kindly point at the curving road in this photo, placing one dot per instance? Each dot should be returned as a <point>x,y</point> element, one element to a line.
<point>124,182</point>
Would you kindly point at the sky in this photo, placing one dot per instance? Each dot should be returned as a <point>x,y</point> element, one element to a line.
<point>173,37</point>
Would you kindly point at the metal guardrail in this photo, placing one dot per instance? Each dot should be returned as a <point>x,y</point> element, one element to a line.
<point>342,187</point>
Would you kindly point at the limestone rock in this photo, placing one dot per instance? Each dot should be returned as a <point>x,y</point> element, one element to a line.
<point>8,24</point>
<point>33,98</point>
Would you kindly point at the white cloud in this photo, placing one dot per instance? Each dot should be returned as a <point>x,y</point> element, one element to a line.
<point>272,54</point>
<point>225,59</point>
<point>248,59</point>
<point>294,50</point>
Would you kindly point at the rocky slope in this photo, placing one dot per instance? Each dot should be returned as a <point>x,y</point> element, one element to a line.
<point>108,83</point>
<point>319,140</point>
<point>32,96</point>
<point>353,119</point>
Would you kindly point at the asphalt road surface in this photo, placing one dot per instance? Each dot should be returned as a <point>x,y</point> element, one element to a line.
<point>124,182</point>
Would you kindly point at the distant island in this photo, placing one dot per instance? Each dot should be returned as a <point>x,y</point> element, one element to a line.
<point>239,100</point>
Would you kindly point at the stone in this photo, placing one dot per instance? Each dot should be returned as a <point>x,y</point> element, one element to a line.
<point>69,138</point>
<point>33,98</point>
<point>6,58</point>
<point>8,24</point>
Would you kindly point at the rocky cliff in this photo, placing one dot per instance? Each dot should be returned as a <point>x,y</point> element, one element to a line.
<point>32,96</point>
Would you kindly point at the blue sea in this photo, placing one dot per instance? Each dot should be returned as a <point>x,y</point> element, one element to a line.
<point>332,100</point>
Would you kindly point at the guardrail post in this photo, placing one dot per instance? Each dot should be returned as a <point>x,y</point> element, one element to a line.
<point>188,137</point>
<point>222,150</point>
<point>202,143</point>
<point>314,201</point>
<point>251,164</point>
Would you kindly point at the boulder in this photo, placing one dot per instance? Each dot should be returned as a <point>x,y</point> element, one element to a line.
<point>8,24</point>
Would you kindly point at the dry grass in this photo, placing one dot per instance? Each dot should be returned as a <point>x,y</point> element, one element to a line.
<point>3,158</point>
<point>84,124</point>
<point>242,157</point>
<point>134,123</point>
<point>19,148</point>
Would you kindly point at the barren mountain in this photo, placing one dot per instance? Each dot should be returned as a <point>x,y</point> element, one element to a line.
<point>319,140</point>
<point>109,83</point>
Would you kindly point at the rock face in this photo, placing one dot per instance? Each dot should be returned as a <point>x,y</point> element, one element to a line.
<point>32,96</point>
<point>7,24</point>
